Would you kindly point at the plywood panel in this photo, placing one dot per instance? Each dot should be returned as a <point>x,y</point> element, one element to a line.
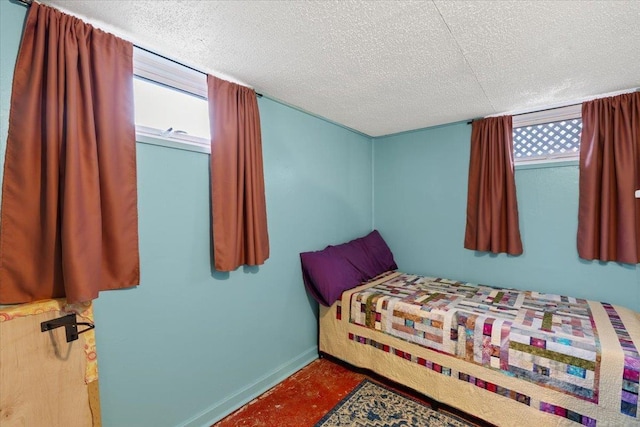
<point>94,403</point>
<point>42,377</point>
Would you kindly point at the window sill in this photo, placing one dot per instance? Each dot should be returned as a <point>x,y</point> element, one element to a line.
<point>172,143</point>
<point>541,164</point>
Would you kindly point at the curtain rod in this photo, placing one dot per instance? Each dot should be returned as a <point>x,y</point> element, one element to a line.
<point>562,106</point>
<point>29,2</point>
<point>530,112</point>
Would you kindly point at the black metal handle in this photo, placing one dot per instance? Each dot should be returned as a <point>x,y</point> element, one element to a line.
<point>70,326</point>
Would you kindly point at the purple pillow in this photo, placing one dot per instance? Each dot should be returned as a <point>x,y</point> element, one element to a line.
<point>335,269</point>
<point>359,255</point>
<point>378,249</point>
<point>326,275</point>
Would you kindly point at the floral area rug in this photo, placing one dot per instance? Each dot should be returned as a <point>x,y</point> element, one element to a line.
<point>374,405</point>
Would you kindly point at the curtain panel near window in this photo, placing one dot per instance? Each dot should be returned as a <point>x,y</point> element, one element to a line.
<point>240,235</point>
<point>492,207</point>
<point>69,225</point>
<point>609,213</point>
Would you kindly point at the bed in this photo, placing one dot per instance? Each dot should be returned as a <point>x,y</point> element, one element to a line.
<point>510,357</point>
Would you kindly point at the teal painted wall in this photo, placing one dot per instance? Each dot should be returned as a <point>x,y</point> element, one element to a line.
<point>420,196</point>
<point>189,345</point>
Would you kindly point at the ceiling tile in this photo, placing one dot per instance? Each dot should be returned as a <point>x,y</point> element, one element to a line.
<point>382,67</point>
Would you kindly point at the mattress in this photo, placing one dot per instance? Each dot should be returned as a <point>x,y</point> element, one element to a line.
<point>507,356</point>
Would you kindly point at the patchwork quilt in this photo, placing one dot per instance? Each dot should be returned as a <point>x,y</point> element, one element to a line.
<point>549,340</point>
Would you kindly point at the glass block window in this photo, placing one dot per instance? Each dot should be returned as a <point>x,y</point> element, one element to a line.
<point>553,140</point>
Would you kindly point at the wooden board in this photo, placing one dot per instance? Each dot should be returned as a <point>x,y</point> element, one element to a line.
<point>42,377</point>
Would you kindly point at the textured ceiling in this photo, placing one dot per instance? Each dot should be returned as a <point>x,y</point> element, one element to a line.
<point>383,67</point>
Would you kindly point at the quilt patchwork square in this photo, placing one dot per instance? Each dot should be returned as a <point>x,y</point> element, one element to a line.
<point>546,339</point>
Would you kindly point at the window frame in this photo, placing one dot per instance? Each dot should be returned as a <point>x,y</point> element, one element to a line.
<point>166,72</point>
<point>559,114</point>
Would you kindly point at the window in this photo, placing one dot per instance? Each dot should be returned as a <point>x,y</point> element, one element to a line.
<point>546,136</point>
<point>171,107</point>
<point>164,108</point>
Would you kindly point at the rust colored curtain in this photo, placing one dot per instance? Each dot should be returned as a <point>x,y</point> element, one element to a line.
<point>69,203</point>
<point>492,208</point>
<point>240,234</point>
<point>609,214</point>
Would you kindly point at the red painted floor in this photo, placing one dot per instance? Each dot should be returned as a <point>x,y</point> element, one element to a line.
<point>305,397</point>
<point>300,400</point>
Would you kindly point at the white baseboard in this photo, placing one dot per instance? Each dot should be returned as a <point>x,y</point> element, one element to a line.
<point>221,409</point>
